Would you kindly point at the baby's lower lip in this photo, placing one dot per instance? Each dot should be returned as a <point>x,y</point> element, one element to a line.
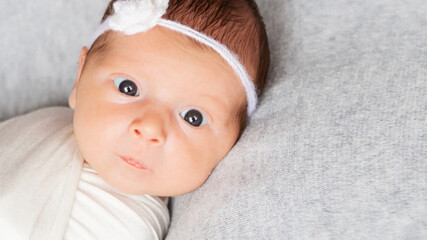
<point>133,163</point>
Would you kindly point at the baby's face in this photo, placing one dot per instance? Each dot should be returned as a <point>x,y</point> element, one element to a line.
<point>154,114</point>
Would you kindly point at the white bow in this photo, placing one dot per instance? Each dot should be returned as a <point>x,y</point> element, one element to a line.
<point>133,16</point>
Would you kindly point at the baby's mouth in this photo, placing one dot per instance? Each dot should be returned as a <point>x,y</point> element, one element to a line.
<point>133,162</point>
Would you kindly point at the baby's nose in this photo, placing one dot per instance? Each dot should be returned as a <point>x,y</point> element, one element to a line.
<point>149,128</point>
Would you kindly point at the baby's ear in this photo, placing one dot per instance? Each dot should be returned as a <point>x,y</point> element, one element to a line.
<point>73,95</point>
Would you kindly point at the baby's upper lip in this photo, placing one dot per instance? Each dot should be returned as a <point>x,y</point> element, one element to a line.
<point>133,162</point>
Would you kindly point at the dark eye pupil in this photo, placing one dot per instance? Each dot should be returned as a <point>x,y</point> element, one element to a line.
<point>194,117</point>
<point>128,87</point>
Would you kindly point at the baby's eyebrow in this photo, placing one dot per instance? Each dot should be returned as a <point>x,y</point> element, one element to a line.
<point>220,104</point>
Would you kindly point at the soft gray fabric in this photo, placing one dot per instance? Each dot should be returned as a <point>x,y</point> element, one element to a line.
<point>337,147</point>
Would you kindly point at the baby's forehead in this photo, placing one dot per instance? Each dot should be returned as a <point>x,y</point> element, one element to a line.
<point>112,41</point>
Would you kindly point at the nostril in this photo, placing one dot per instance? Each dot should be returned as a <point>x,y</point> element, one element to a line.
<point>145,136</point>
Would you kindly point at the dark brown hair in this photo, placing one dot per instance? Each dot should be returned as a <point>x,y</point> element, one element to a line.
<point>235,23</point>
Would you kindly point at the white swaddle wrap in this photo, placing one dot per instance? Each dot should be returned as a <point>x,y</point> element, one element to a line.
<point>118,216</point>
<point>40,173</point>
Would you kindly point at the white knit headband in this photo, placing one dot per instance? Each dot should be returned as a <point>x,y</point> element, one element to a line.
<point>134,16</point>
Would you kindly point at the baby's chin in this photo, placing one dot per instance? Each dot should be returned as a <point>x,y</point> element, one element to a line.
<point>160,194</point>
<point>161,191</point>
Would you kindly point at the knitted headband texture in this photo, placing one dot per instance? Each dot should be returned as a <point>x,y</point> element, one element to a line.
<point>135,16</point>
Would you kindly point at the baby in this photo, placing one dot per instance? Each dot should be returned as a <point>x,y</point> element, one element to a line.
<point>163,92</point>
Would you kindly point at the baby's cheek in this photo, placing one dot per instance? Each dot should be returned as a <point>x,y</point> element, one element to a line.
<point>184,175</point>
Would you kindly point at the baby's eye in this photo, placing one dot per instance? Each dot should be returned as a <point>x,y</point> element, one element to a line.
<point>126,86</point>
<point>194,117</point>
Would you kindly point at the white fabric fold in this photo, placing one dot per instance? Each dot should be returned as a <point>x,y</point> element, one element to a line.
<point>101,212</point>
<point>39,173</point>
